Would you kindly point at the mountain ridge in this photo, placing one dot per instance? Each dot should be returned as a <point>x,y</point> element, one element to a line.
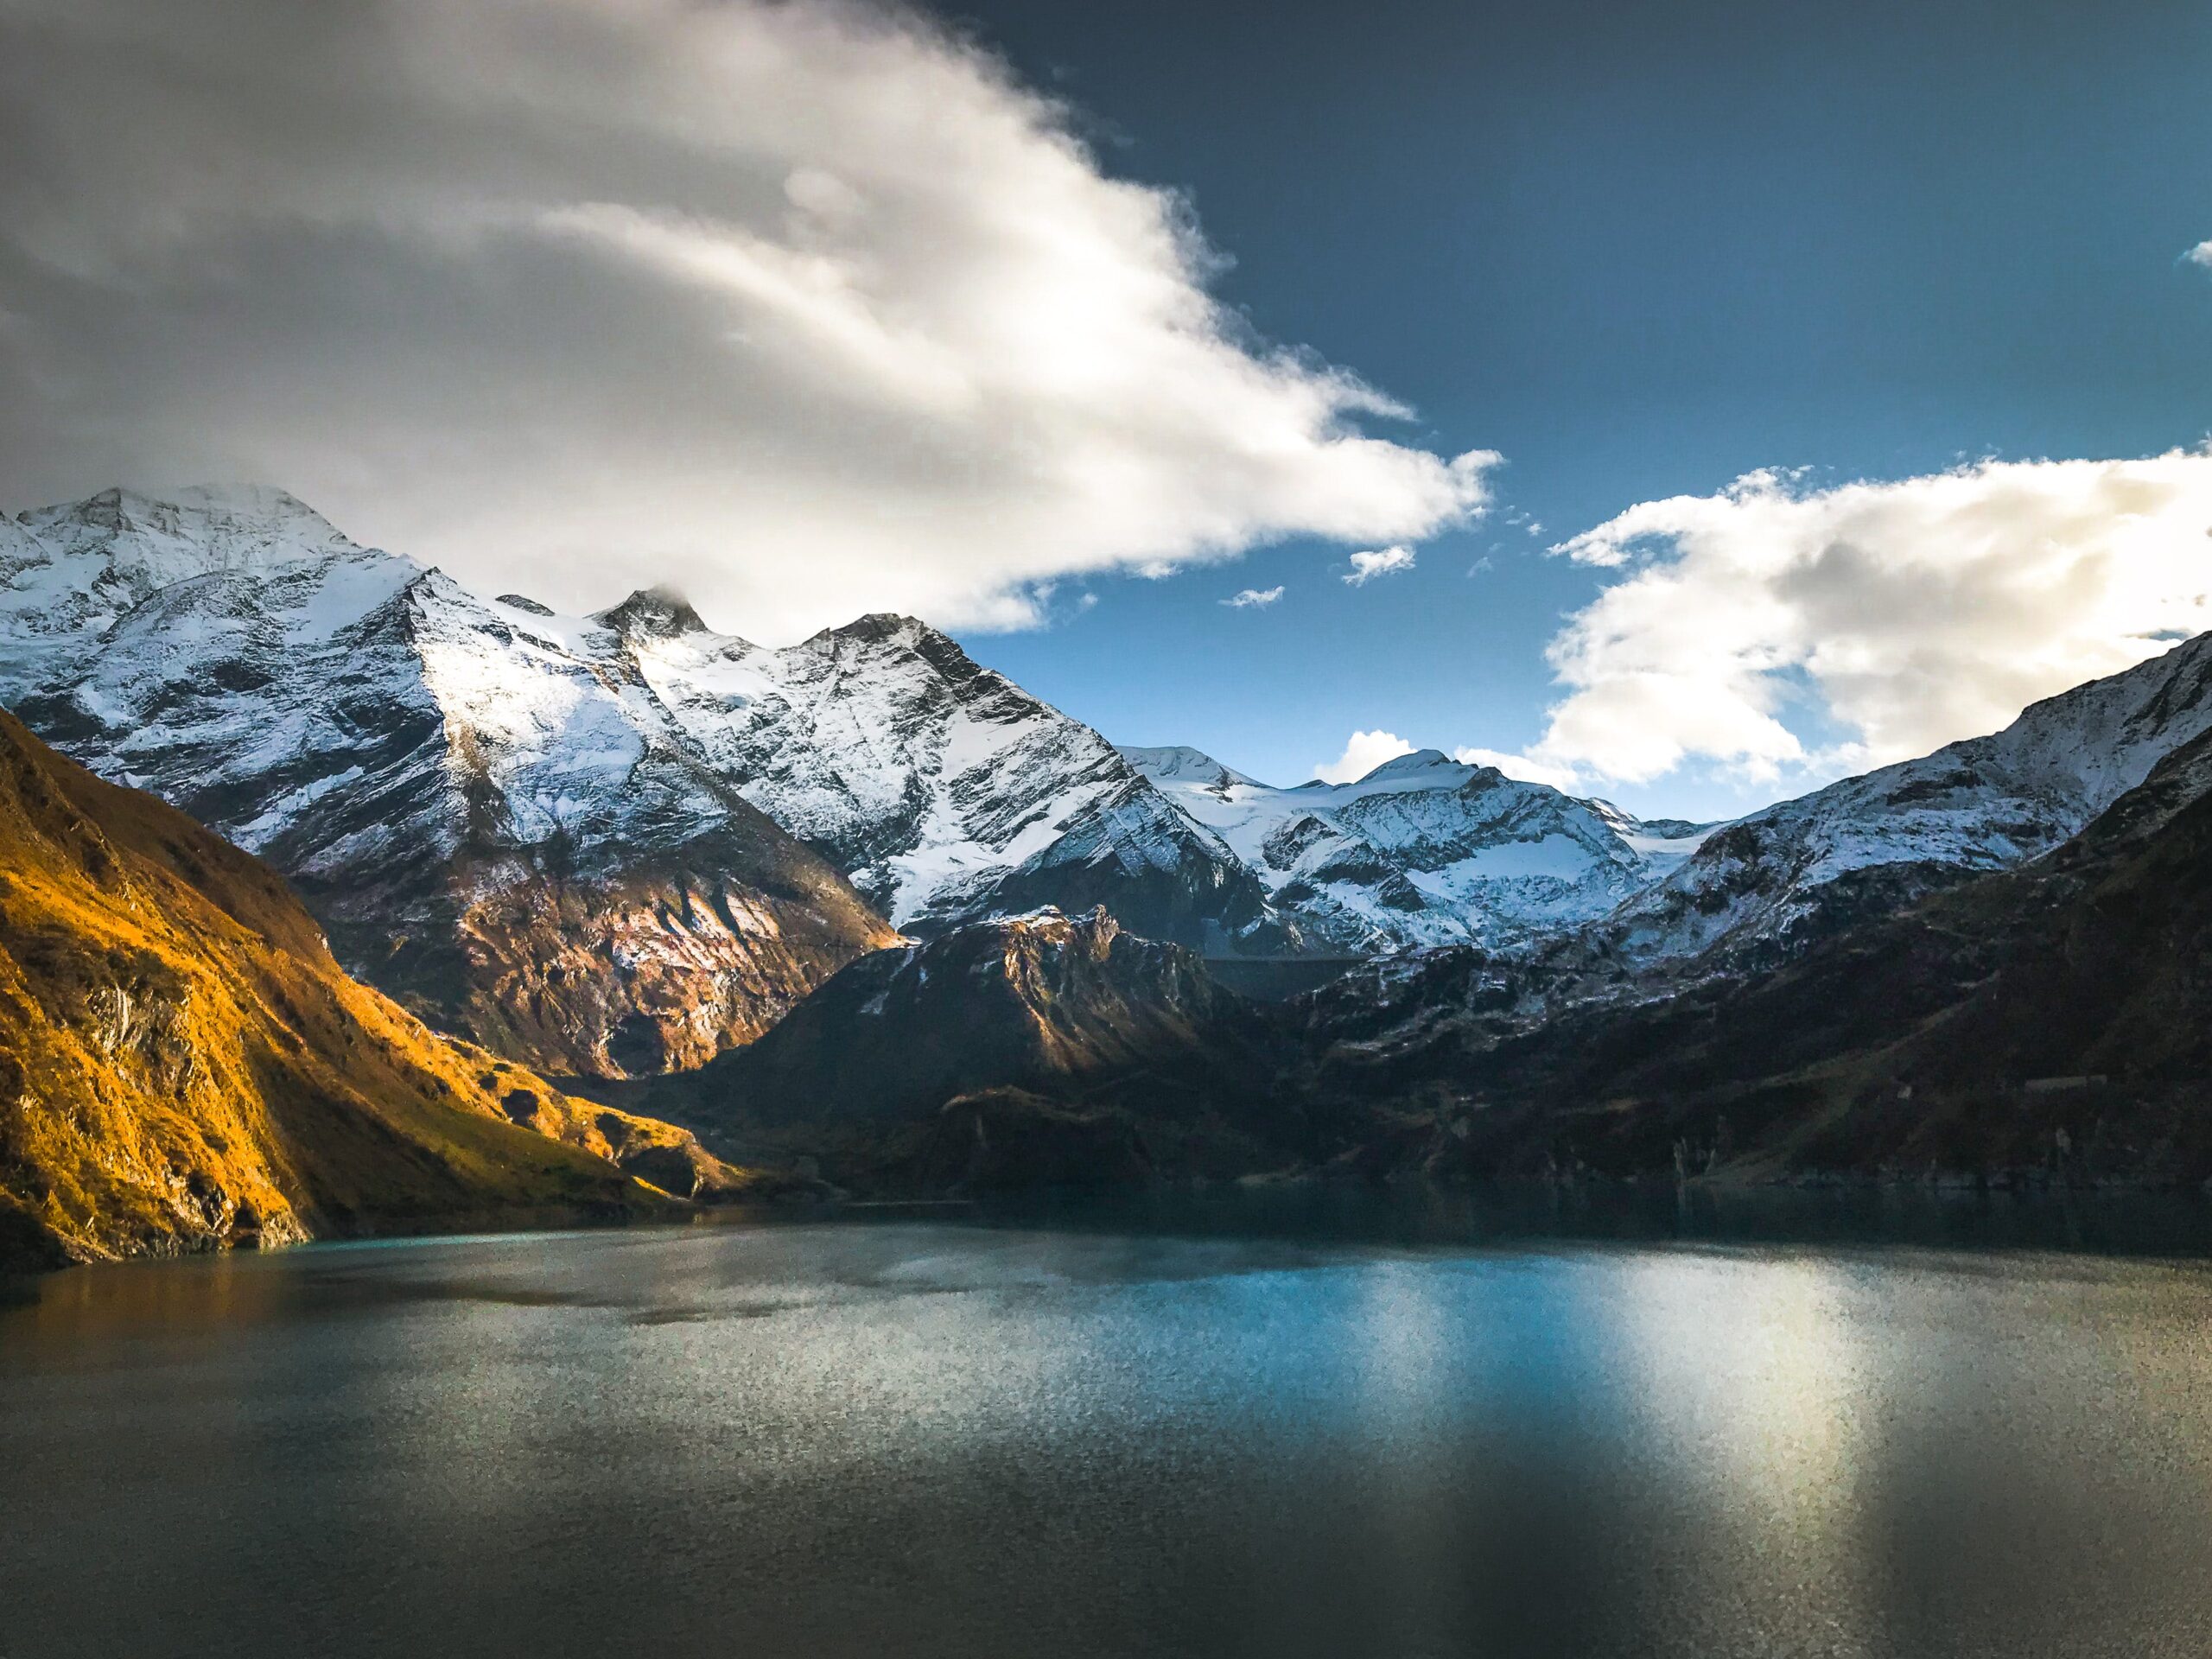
<point>2044,1024</point>
<point>649,840</point>
<point>184,1066</point>
<point>492,825</point>
<point>1422,850</point>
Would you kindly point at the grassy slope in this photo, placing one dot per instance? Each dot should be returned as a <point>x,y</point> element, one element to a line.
<point>184,1066</point>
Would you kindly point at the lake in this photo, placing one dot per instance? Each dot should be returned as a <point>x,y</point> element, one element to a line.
<point>1132,1433</point>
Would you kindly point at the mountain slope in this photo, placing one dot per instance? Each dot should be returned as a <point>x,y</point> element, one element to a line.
<point>497,823</point>
<point>2052,1022</point>
<point>1755,894</point>
<point>1423,850</point>
<point>945,793</point>
<point>1869,844</point>
<point>1073,1010</point>
<point>183,1064</point>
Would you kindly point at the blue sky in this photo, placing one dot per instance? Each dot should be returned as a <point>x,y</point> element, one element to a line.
<point>813,307</point>
<point>1641,251</point>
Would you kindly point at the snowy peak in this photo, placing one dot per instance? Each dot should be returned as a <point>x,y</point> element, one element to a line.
<point>189,531</point>
<point>1422,850</point>
<point>881,626</point>
<point>1180,764</point>
<point>947,794</point>
<point>72,573</point>
<point>1418,765</point>
<point>657,612</point>
<point>887,638</point>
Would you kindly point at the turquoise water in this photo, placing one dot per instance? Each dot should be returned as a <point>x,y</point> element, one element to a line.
<point>936,1436</point>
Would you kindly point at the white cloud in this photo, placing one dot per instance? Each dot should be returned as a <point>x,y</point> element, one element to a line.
<point>1364,752</point>
<point>1520,766</point>
<point>1379,562</point>
<point>810,307</point>
<point>1254,598</point>
<point>2200,255</point>
<point>1781,630</point>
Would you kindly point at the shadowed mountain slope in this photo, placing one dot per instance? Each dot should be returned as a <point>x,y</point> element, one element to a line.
<point>2049,1022</point>
<point>1070,1011</point>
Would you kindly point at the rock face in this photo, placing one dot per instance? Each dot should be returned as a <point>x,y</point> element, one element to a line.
<point>494,815</point>
<point>1143,1058</point>
<point>184,1066</point>
<point>945,793</point>
<point>1423,850</point>
<point>1029,1000</point>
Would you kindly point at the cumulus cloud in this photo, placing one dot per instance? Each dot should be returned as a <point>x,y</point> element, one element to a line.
<point>1379,562</point>
<point>2200,255</point>
<point>1364,752</point>
<point>1781,630</point>
<point>1254,598</point>
<point>807,306</point>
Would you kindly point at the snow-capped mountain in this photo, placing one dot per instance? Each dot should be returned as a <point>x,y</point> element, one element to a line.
<point>1423,850</point>
<point>1872,843</point>
<point>620,843</point>
<point>607,844</point>
<point>492,819</point>
<point>945,793</point>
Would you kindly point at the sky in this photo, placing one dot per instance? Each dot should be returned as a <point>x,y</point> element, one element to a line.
<point>1683,403</point>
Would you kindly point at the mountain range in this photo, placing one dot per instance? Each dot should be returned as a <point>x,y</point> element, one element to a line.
<point>1423,850</point>
<point>2049,1022</point>
<point>493,817</point>
<point>860,899</point>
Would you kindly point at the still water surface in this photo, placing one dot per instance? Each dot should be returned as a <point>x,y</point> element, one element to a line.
<point>939,1437</point>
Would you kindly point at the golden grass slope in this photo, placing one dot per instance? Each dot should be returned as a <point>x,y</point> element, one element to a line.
<point>184,1066</point>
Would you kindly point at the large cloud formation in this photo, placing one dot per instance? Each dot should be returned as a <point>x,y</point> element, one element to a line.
<point>808,306</point>
<point>1786,632</point>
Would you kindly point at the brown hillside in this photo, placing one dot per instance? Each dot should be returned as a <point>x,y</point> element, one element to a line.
<point>184,1066</point>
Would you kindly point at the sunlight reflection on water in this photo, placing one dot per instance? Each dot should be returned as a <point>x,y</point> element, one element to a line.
<point>941,1438</point>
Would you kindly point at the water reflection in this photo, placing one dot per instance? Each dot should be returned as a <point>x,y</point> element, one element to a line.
<point>1203,1435</point>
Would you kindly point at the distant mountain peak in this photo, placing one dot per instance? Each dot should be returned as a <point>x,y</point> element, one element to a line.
<point>184,531</point>
<point>880,626</point>
<point>1421,850</point>
<point>1180,763</point>
<point>1406,764</point>
<point>119,506</point>
<point>658,612</point>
